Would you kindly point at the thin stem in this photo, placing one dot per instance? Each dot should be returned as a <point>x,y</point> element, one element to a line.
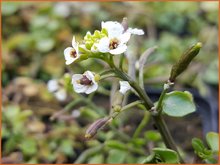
<point>159,105</point>
<point>66,108</point>
<point>128,106</point>
<point>107,76</point>
<point>141,126</point>
<point>147,102</point>
<point>121,62</point>
<point>165,133</point>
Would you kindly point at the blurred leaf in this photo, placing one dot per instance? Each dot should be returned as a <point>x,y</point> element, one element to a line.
<point>45,44</point>
<point>97,159</point>
<point>152,135</point>
<point>212,139</point>
<point>114,144</point>
<point>211,73</point>
<point>28,146</point>
<point>178,104</point>
<point>67,147</point>
<point>116,156</point>
<point>9,8</point>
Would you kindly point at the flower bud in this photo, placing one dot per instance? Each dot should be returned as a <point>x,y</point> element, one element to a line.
<point>117,101</point>
<point>184,61</point>
<point>124,23</point>
<point>94,127</point>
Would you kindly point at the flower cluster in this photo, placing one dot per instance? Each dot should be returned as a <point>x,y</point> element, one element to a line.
<point>111,40</point>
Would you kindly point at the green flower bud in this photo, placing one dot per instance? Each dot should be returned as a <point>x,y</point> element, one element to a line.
<point>184,61</point>
<point>117,101</point>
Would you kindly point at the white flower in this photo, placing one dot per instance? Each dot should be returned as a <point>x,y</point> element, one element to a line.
<point>72,53</point>
<point>124,87</point>
<point>52,85</point>
<point>118,36</point>
<point>135,31</point>
<point>61,95</point>
<point>55,87</point>
<point>84,83</point>
<point>116,41</point>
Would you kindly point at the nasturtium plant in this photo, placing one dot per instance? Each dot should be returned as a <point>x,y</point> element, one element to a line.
<point>178,104</point>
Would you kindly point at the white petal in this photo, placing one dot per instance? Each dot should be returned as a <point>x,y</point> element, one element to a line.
<point>114,29</point>
<point>78,88</point>
<point>67,52</point>
<point>135,31</point>
<point>124,86</point>
<point>92,88</point>
<point>76,77</point>
<point>74,44</point>
<point>61,95</point>
<point>124,38</point>
<point>52,85</point>
<point>69,59</point>
<point>120,49</point>
<point>103,45</point>
<point>89,75</point>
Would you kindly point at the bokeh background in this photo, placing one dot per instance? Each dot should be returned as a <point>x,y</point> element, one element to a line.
<point>34,35</point>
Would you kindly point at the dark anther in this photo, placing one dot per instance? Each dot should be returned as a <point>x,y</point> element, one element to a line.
<point>85,81</point>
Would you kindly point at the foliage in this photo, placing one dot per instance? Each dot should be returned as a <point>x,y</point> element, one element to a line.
<point>208,155</point>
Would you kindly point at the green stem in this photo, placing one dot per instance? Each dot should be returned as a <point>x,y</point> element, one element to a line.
<point>165,133</point>
<point>66,108</point>
<point>128,106</point>
<point>121,62</point>
<point>159,105</point>
<point>147,102</point>
<point>162,127</point>
<point>141,126</point>
<point>107,76</point>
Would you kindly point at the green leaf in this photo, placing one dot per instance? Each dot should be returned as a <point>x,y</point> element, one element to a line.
<point>162,155</point>
<point>66,147</point>
<point>198,145</point>
<point>116,156</point>
<point>115,144</point>
<point>149,159</point>
<point>178,104</point>
<point>45,45</point>
<point>167,155</point>
<point>97,159</point>
<point>152,135</point>
<point>28,146</point>
<point>212,139</point>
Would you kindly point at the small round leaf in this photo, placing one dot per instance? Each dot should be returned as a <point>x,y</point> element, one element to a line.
<point>178,104</point>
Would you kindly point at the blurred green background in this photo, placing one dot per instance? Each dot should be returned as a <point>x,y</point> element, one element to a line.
<point>34,35</point>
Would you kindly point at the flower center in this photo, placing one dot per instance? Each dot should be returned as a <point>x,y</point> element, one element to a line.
<point>73,53</point>
<point>113,43</point>
<point>85,81</point>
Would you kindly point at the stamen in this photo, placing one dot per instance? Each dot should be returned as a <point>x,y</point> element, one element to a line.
<point>85,81</point>
<point>113,43</point>
<point>73,53</point>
